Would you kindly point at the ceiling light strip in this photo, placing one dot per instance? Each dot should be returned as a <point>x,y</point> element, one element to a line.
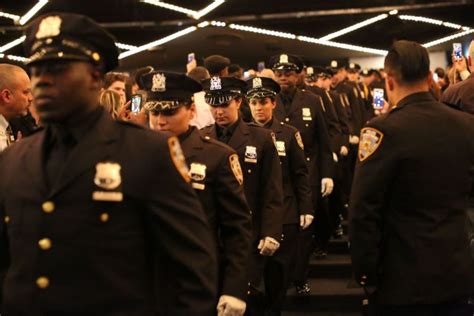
<point>158,42</point>
<point>40,4</point>
<point>10,16</point>
<point>448,38</point>
<point>171,7</point>
<point>208,9</point>
<point>342,45</point>
<point>125,46</point>
<point>423,19</point>
<point>354,27</point>
<point>14,43</point>
<point>262,31</point>
<point>15,58</point>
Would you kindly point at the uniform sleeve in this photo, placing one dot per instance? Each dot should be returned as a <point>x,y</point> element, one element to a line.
<point>334,130</point>
<point>235,227</point>
<point>343,119</point>
<point>272,189</point>
<point>356,107</point>
<point>300,176</point>
<point>370,189</point>
<point>326,161</point>
<point>4,252</point>
<point>182,239</point>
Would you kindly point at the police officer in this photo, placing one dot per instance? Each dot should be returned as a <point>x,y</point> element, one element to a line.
<point>262,176</point>
<point>302,110</point>
<point>367,111</point>
<point>90,204</point>
<point>216,177</point>
<point>408,206</point>
<point>298,208</point>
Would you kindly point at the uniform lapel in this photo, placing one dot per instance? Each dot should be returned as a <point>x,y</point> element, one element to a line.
<point>191,145</point>
<point>296,103</point>
<point>33,160</point>
<point>240,135</point>
<point>95,147</point>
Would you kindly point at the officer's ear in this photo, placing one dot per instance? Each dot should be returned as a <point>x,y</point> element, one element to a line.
<point>238,102</point>
<point>97,76</point>
<point>390,83</point>
<point>192,111</point>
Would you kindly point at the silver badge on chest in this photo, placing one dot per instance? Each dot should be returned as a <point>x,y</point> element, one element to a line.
<point>197,173</point>
<point>108,178</point>
<point>250,154</point>
<point>307,114</point>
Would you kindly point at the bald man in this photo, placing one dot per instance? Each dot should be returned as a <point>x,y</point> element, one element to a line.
<point>15,98</point>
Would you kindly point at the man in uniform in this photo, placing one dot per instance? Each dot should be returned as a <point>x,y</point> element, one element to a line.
<point>367,111</point>
<point>299,213</point>
<point>409,245</point>
<point>216,177</point>
<point>302,110</point>
<point>91,207</point>
<point>262,176</point>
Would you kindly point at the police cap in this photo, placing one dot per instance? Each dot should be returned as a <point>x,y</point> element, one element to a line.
<point>220,90</point>
<point>68,36</point>
<point>261,87</point>
<point>286,62</point>
<point>168,90</point>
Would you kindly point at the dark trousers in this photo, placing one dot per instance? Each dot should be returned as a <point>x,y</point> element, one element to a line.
<point>278,271</point>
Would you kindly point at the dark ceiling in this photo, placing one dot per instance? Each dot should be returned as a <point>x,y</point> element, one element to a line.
<point>136,23</point>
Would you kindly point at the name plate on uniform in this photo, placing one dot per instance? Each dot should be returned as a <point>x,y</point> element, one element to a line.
<point>307,114</point>
<point>107,196</point>
<point>280,148</point>
<point>198,186</point>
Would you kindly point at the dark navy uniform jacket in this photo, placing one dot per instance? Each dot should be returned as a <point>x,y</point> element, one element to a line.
<point>93,241</point>
<point>409,201</point>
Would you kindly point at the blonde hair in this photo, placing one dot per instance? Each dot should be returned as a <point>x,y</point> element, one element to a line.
<point>111,101</point>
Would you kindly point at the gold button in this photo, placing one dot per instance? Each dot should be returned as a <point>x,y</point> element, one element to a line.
<point>104,217</point>
<point>249,171</point>
<point>287,119</point>
<point>48,207</point>
<point>308,159</point>
<point>45,244</point>
<point>7,219</point>
<point>306,125</point>
<point>96,56</point>
<point>60,54</point>
<point>207,137</point>
<point>42,282</point>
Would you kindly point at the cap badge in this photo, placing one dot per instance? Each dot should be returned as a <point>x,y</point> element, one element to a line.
<point>49,27</point>
<point>334,64</point>
<point>159,83</point>
<point>310,70</point>
<point>352,65</point>
<point>216,83</point>
<point>257,83</point>
<point>283,59</point>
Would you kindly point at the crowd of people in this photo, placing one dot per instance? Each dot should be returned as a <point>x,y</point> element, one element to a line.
<point>208,192</point>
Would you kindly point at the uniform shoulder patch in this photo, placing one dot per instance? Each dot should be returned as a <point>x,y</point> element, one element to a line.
<point>370,140</point>
<point>299,140</point>
<point>177,157</point>
<point>236,169</point>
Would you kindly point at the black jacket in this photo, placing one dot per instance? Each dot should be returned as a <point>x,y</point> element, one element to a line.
<point>296,188</point>
<point>103,256</point>
<point>262,177</point>
<point>216,177</point>
<point>306,115</point>
<point>409,202</point>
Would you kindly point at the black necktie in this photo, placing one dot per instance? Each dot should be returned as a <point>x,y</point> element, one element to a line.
<point>225,136</point>
<point>62,143</point>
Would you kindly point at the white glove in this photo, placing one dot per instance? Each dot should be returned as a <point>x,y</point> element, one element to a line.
<point>230,306</point>
<point>344,151</point>
<point>306,220</point>
<point>354,140</point>
<point>268,246</point>
<point>334,157</point>
<point>326,186</point>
